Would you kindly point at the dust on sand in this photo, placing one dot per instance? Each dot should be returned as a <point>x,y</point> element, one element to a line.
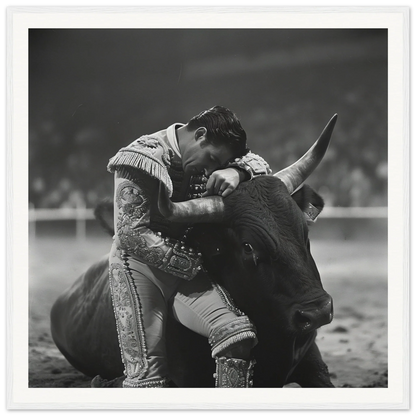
<point>354,345</point>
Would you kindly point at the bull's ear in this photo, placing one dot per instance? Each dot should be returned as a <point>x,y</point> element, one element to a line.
<point>310,202</point>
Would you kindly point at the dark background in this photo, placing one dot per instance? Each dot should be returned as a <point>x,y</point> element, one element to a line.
<point>92,91</point>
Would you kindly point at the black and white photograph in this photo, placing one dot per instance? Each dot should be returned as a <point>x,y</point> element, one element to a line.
<point>209,205</point>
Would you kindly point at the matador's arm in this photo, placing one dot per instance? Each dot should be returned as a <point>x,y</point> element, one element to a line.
<point>133,235</point>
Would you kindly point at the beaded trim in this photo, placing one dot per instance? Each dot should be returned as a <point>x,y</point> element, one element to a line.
<point>232,333</point>
<point>226,298</point>
<point>197,186</point>
<point>128,314</point>
<point>146,383</point>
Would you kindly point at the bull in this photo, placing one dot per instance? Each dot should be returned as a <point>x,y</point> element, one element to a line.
<point>256,247</point>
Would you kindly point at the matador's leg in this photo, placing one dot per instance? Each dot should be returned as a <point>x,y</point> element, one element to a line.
<point>206,309</point>
<point>139,301</point>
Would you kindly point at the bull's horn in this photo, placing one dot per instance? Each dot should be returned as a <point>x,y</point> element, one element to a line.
<point>209,209</point>
<point>294,175</point>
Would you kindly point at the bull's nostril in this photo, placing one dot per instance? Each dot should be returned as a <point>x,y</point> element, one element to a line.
<point>303,320</point>
<point>314,314</point>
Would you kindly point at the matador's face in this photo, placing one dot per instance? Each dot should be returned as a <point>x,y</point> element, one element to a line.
<point>202,156</point>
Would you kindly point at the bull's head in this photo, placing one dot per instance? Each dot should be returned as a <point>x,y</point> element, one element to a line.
<point>211,209</point>
<point>260,249</point>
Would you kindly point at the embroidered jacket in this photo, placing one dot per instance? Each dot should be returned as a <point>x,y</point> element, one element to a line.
<point>140,231</point>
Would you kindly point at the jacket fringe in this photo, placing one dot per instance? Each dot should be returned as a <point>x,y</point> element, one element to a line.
<point>143,162</point>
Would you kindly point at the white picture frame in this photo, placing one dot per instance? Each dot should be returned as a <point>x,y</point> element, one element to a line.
<point>398,19</point>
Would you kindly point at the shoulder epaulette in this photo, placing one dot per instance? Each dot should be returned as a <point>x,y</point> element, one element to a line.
<point>148,155</point>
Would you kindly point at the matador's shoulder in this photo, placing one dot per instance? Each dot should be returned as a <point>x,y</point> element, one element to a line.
<point>149,155</point>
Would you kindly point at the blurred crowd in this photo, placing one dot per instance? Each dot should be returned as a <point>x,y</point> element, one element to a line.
<point>92,92</point>
<point>353,172</point>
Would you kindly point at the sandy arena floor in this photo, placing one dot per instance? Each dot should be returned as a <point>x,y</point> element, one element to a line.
<point>354,345</point>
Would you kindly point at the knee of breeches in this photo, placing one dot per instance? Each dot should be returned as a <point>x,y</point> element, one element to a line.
<point>234,339</point>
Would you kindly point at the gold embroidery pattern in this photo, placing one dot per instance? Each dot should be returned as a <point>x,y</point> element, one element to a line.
<point>127,310</point>
<point>134,236</point>
<point>132,216</point>
<point>234,373</point>
<point>131,199</point>
<point>253,164</point>
<point>153,147</point>
<point>131,241</point>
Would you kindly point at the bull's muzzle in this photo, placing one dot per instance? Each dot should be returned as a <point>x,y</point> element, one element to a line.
<point>314,314</point>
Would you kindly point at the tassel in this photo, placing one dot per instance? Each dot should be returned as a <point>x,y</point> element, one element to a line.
<point>144,162</point>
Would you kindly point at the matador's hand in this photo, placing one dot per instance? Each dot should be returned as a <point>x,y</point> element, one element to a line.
<point>222,182</point>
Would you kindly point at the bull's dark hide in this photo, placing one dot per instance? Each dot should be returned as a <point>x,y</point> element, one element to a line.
<point>261,256</point>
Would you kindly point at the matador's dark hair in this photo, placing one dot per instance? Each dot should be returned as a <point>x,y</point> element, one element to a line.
<point>223,128</point>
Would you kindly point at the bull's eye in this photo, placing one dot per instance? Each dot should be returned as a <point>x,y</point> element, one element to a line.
<point>247,247</point>
<point>250,254</point>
